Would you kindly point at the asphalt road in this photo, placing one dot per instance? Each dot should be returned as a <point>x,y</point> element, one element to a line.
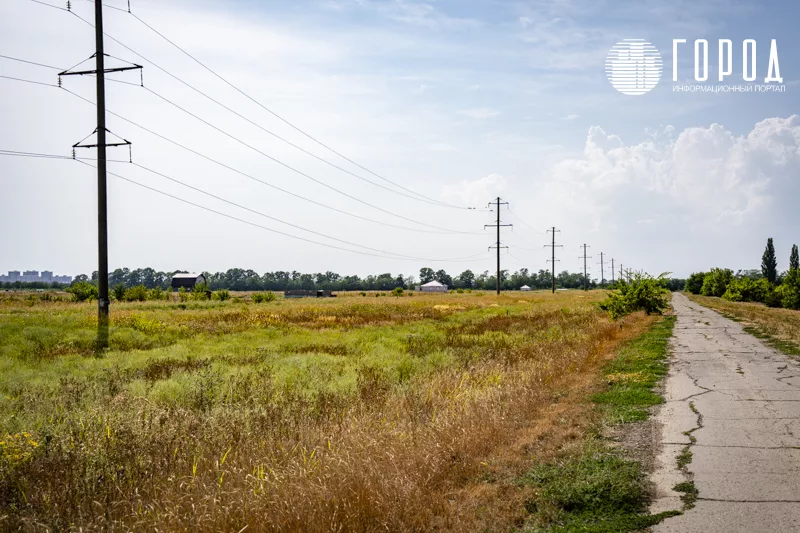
<point>740,400</point>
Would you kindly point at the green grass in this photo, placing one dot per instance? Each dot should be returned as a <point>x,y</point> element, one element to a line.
<point>595,487</point>
<point>640,365</point>
<point>689,491</point>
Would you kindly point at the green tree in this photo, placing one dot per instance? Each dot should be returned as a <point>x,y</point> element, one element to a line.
<point>794,259</point>
<point>716,282</point>
<point>466,279</point>
<point>426,274</point>
<point>695,282</point>
<point>769,263</point>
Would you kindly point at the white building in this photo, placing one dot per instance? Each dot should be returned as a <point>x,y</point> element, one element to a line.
<point>433,286</point>
<point>524,288</point>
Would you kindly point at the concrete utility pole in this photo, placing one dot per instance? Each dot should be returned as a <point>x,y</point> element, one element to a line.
<point>612,271</point>
<point>498,203</point>
<point>103,300</point>
<point>553,260</point>
<point>585,257</point>
<point>602,275</point>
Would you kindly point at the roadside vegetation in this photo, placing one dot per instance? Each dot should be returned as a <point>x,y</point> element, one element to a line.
<point>593,485</point>
<point>353,413</point>
<point>766,286</point>
<point>765,300</point>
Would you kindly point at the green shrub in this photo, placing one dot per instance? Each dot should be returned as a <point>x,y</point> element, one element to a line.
<point>747,290</point>
<point>789,290</point>
<point>397,291</point>
<point>138,293</point>
<point>642,293</point>
<point>716,282</point>
<point>260,297</point>
<point>118,292</point>
<point>222,295</point>
<point>201,292</point>
<point>83,291</point>
<point>363,293</point>
<point>695,282</point>
<point>182,294</point>
<point>460,291</point>
<point>156,293</point>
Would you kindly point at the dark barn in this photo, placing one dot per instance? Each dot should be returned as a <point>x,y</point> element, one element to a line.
<point>299,293</point>
<point>187,280</point>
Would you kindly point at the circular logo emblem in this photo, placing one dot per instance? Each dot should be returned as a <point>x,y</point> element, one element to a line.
<point>633,66</point>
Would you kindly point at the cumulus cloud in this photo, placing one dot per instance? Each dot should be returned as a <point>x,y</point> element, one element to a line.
<point>706,173</point>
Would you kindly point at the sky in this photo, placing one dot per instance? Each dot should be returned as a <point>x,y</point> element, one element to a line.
<point>457,101</point>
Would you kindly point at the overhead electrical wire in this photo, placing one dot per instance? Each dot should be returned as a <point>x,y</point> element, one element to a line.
<point>444,231</point>
<point>418,197</point>
<point>279,117</point>
<point>391,255</point>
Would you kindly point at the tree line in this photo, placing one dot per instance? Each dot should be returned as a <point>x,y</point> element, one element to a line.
<point>237,279</point>
<point>767,286</point>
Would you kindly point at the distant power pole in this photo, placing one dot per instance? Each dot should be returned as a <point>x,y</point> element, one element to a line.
<point>621,275</point>
<point>553,260</point>
<point>602,275</point>
<point>585,257</point>
<point>103,301</point>
<point>497,225</point>
<point>612,271</point>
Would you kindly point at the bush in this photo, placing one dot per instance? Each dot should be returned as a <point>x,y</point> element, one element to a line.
<point>695,282</point>
<point>716,282</point>
<point>83,291</point>
<point>156,293</point>
<point>460,291</point>
<point>260,297</point>
<point>642,293</point>
<point>136,294</point>
<point>397,291</point>
<point>182,294</point>
<point>363,293</point>
<point>222,295</point>
<point>118,292</point>
<point>747,290</point>
<point>201,292</point>
<point>789,290</point>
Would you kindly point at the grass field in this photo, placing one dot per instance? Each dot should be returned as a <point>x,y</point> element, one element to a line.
<point>778,327</point>
<point>353,413</point>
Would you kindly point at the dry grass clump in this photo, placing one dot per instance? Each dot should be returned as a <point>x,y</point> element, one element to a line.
<point>430,418</point>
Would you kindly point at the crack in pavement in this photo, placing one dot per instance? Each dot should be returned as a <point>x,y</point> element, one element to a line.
<point>743,445</point>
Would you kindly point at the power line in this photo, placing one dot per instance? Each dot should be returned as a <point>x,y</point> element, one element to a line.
<point>232,217</point>
<point>30,62</point>
<point>249,176</point>
<point>387,254</point>
<point>421,197</point>
<point>525,223</point>
<point>279,220</point>
<point>296,128</point>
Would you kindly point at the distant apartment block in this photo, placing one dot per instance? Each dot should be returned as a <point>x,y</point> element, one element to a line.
<point>29,276</point>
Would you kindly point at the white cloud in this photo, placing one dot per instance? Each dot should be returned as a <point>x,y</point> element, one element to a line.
<point>479,113</point>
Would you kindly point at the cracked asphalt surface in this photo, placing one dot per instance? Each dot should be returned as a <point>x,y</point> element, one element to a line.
<point>734,403</point>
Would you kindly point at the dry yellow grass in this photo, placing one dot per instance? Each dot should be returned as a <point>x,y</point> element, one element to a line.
<point>407,414</point>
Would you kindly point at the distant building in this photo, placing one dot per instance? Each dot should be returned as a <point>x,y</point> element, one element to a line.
<point>187,280</point>
<point>524,288</point>
<point>433,286</point>
<point>33,276</point>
